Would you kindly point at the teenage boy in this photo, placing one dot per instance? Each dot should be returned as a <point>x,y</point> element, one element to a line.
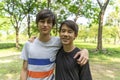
<point>39,56</point>
<point>66,66</point>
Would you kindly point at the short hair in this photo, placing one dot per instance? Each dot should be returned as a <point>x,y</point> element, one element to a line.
<point>71,24</point>
<point>46,13</point>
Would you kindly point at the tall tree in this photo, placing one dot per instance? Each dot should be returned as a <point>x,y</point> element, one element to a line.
<point>103,6</point>
<point>13,8</point>
<point>30,7</point>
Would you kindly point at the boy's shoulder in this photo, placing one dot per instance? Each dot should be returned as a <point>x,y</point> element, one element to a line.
<point>56,37</point>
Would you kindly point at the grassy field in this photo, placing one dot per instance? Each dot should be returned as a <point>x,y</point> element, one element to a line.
<point>10,64</point>
<point>104,65</point>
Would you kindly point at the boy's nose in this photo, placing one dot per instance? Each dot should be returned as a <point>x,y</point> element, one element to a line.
<point>65,33</point>
<point>45,24</point>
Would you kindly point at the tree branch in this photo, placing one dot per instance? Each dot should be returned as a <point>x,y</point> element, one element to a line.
<point>106,3</point>
<point>99,4</point>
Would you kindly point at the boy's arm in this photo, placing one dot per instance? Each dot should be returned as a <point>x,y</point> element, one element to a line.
<point>23,75</point>
<point>85,72</point>
<point>82,56</point>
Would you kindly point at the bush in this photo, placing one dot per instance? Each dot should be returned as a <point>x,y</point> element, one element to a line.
<point>7,45</point>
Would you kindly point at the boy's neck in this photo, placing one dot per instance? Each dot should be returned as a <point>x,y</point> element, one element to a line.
<point>44,38</point>
<point>68,48</point>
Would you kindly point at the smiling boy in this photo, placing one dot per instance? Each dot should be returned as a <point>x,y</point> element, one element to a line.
<point>67,67</point>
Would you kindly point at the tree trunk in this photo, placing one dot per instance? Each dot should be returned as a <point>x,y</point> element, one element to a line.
<point>76,18</point>
<point>28,21</point>
<point>17,37</point>
<point>49,4</point>
<point>101,15</point>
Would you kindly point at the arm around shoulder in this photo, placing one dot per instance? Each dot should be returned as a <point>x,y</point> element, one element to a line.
<point>82,56</point>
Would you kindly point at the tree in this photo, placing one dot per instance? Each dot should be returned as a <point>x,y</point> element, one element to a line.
<point>84,32</point>
<point>93,32</point>
<point>48,1</point>
<point>103,6</point>
<point>77,8</point>
<point>30,7</point>
<point>5,25</point>
<point>114,17</point>
<point>15,11</point>
<point>84,8</point>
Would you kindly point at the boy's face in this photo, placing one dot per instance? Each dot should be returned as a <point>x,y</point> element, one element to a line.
<point>67,35</point>
<point>45,26</point>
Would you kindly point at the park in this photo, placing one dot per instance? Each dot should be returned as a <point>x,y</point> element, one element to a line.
<point>99,32</point>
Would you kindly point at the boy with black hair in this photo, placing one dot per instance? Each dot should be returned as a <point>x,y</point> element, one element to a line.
<point>66,66</point>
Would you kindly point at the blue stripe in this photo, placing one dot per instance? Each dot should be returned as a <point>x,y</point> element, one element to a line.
<point>39,61</point>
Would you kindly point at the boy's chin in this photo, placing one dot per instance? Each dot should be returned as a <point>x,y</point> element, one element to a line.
<point>45,33</point>
<point>65,43</point>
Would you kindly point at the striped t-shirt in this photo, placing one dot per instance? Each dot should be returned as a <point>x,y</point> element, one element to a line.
<point>41,58</point>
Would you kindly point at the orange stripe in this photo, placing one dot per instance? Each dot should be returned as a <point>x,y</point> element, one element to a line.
<point>40,74</point>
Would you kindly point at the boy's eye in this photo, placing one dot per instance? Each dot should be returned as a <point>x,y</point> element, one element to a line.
<point>43,21</point>
<point>62,30</point>
<point>49,22</point>
<point>70,31</point>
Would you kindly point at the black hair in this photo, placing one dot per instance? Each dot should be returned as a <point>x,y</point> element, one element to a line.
<point>71,24</point>
<point>46,13</point>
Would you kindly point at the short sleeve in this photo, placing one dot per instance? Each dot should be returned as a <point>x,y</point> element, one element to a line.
<point>58,41</point>
<point>24,53</point>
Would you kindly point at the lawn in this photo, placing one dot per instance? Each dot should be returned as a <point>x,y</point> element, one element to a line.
<point>10,64</point>
<point>103,66</point>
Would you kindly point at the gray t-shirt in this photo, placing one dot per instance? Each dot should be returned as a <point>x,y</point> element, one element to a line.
<point>41,58</point>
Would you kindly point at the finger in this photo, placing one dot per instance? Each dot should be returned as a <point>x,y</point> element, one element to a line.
<point>80,58</point>
<point>80,61</point>
<point>83,61</point>
<point>80,64</point>
<point>76,55</point>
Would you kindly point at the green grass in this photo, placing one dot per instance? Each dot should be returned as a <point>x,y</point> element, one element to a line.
<point>10,63</point>
<point>10,67</point>
<point>104,65</point>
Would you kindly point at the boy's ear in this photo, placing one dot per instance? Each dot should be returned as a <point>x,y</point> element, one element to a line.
<point>76,35</point>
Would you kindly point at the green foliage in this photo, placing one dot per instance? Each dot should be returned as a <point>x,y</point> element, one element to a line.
<point>85,8</point>
<point>8,45</point>
<point>34,29</point>
<point>93,31</point>
<point>74,9</point>
<point>88,46</point>
<point>113,52</point>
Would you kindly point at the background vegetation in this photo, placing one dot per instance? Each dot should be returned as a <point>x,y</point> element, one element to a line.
<point>99,32</point>
<point>103,66</point>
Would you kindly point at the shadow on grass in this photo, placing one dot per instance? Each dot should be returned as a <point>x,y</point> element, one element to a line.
<point>10,67</point>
